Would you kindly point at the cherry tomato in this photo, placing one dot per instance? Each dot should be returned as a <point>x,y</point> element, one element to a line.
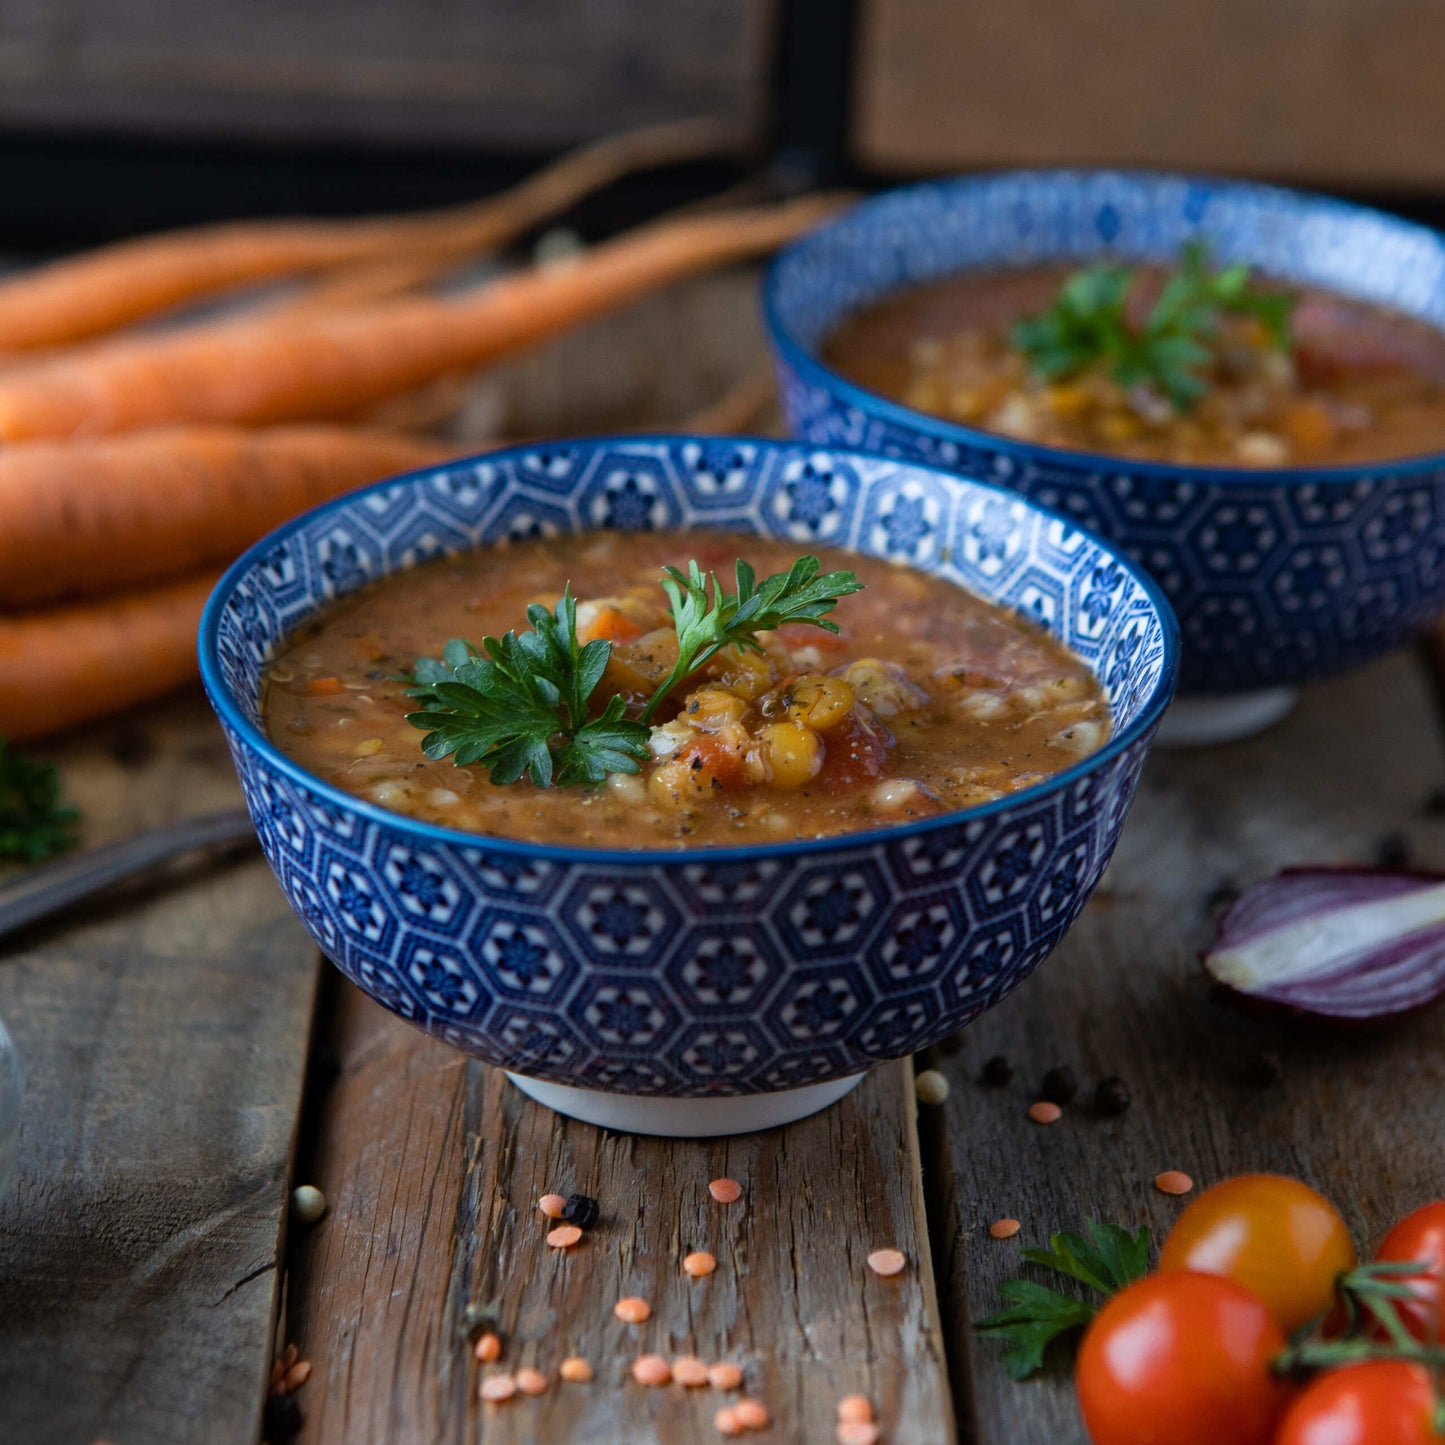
<point>1181,1359</point>
<point>1273,1235</point>
<point>1380,1402</point>
<point>1421,1236</point>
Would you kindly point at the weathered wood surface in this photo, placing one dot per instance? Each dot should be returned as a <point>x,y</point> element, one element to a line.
<point>163,1037</point>
<point>1358,1115</point>
<point>433,1167</point>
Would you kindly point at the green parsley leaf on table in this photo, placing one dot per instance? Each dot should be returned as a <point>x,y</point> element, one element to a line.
<point>1106,1258</point>
<point>33,825</point>
<point>1088,325</point>
<point>519,705</point>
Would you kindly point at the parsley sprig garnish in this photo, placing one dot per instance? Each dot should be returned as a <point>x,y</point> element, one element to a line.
<point>1105,1259</point>
<point>520,704</point>
<point>33,825</point>
<point>1088,325</point>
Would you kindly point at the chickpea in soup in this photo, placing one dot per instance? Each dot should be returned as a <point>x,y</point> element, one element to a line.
<point>1183,365</point>
<point>925,700</point>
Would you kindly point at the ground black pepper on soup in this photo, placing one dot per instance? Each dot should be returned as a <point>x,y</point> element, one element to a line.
<point>928,699</point>
<point>1060,356</point>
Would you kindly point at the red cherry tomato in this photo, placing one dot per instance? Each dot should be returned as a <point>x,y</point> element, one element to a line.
<point>1381,1402</point>
<point>1181,1359</point>
<point>1275,1236</point>
<point>1421,1236</point>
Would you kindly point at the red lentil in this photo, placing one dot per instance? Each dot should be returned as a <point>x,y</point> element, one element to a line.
<point>753,1414</point>
<point>651,1370</point>
<point>632,1310</point>
<point>853,1409</point>
<point>551,1205</point>
<point>1173,1181</point>
<point>698,1264</point>
<point>1004,1228</point>
<point>497,1388</point>
<point>725,1191</point>
<point>564,1236</point>
<point>296,1376</point>
<point>727,1423</point>
<point>575,1370</point>
<point>531,1382</point>
<point>887,1261</point>
<point>689,1372</point>
<point>1045,1112</point>
<point>725,1376</point>
<point>488,1348</point>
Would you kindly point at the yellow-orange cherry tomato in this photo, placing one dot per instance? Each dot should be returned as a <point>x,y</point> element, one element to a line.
<point>1276,1236</point>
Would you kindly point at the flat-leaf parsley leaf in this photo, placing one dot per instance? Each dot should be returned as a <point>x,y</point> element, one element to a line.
<point>33,825</point>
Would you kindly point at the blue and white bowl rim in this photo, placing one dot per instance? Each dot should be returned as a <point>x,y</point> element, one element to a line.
<point>237,723</point>
<point>805,361</point>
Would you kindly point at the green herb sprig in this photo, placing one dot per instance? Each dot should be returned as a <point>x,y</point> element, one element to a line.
<point>33,825</point>
<point>519,704</point>
<point>1106,1258</point>
<point>1088,325</point>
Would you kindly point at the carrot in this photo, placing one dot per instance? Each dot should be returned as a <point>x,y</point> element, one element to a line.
<point>67,665</point>
<point>88,517</point>
<point>257,371</point>
<point>107,288</point>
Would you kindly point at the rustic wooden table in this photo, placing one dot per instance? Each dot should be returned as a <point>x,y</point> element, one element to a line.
<point>189,1059</point>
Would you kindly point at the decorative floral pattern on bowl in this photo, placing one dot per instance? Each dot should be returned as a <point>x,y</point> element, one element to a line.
<point>719,971</point>
<point>1277,576</point>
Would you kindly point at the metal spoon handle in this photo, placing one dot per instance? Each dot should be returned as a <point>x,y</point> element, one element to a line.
<point>47,889</point>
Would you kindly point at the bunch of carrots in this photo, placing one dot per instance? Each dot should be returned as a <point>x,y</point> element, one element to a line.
<point>135,463</point>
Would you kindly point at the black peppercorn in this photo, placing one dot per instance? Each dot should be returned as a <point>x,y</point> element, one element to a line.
<point>996,1072</point>
<point>1059,1086</point>
<point>581,1210</point>
<point>280,1419</point>
<point>1112,1096</point>
<point>1393,851</point>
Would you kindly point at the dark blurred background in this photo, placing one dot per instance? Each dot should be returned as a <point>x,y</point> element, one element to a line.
<point>122,117</point>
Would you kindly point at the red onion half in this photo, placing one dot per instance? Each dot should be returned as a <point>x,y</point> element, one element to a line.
<point>1344,943</point>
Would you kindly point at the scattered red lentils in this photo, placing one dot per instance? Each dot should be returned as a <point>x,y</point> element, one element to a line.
<point>725,1191</point>
<point>752,1414</point>
<point>724,1376</point>
<point>632,1311</point>
<point>1004,1228</point>
<point>575,1369</point>
<point>857,1432</point>
<point>564,1236</point>
<point>651,1370</point>
<point>488,1348</point>
<point>551,1205</point>
<point>887,1261</point>
<point>531,1382</point>
<point>853,1409</point>
<point>497,1388</point>
<point>699,1264</point>
<point>689,1372</point>
<point>296,1376</point>
<point>1045,1112</point>
<point>1173,1181</point>
<point>727,1423</point>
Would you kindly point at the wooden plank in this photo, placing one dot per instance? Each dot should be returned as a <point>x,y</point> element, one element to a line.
<point>433,1166</point>
<point>1334,92</point>
<point>545,74</point>
<point>1355,1114</point>
<point>163,1035</point>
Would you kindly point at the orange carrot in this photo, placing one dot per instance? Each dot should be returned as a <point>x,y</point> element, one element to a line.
<point>258,370</point>
<point>70,664</point>
<point>89,517</point>
<point>104,289</point>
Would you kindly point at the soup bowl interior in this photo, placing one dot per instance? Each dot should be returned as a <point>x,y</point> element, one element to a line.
<point>1277,576</point>
<point>719,989</point>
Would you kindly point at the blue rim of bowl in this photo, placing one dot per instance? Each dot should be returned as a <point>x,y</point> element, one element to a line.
<point>232,717</point>
<point>804,360</point>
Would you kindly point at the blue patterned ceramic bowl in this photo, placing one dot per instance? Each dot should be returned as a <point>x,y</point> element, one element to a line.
<point>1277,576</point>
<point>717,990</point>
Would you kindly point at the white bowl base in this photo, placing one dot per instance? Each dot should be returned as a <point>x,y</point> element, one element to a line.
<point>685,1118</point>
<point>1194,722</point>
